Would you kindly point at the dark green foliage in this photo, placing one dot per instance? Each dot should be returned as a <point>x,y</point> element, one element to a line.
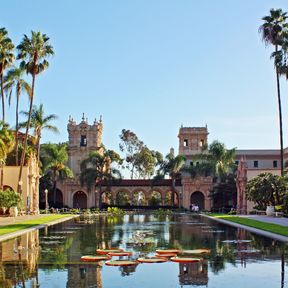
<point>9,198</point>
<point>139,159</point>
<point>265,188</point>
<point>224,193</point>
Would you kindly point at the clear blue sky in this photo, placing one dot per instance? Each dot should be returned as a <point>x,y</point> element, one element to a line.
<point>152,65</point>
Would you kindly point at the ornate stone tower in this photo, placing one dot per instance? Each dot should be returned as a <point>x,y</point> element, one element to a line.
<point>191,140</point>
<point>83,138</point>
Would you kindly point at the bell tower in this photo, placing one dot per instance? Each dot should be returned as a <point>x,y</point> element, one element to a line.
<point>192,140</point>
<point>83,139</point>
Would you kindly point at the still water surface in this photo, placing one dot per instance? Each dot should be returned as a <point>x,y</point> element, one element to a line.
<point>51,257</point>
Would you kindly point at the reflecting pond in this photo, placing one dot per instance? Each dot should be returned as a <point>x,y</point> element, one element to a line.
<point>51,257</point>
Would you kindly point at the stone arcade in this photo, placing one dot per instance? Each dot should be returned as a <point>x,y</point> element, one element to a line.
<point>84,138</point>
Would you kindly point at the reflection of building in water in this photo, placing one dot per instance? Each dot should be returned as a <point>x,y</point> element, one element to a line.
<point>127,270</point>
<point>84,275</point>
<point>18,258</point>
<point>193,273</point>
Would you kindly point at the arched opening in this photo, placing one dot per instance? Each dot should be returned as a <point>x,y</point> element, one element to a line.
<point>106,198</point>
<point>155,199</point>
<point>58,203</point>
<point>80,200</point>
<point>139,198</point>
<point>122,198</point>
<point>197,198</point>
<point>6,187</point>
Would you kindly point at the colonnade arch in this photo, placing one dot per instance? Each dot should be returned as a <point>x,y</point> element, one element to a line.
<point>198,198</point>
<point>80,200</point>
<point>139,197</point>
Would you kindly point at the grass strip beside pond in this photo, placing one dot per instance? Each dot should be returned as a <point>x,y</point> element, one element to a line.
<point>6,229</point>
<point>270,227</point>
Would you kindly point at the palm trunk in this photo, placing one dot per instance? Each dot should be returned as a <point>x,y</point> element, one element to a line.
<point>38,149</point>
<point>280,126</point>
<point>27,131</point>
<point>17,121</point>
<point>2,96</point>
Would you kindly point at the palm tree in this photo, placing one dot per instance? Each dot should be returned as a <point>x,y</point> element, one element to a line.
<point>39,122</point>
<point>33,53</point>
<point>97,168</point>
<point>272,34</point>
<point>6,59</point>
<point>6,146</point>
<point>54,159</point>
<point>14,79</point>
<point>172,166</point>
<point>216,160</point>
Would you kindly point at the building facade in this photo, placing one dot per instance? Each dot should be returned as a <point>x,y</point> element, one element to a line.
<point>29,184</point>
<point>84,138</point>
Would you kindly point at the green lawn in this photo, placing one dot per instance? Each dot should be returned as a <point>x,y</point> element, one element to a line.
<point>30,223</point>
<point>274,228</point>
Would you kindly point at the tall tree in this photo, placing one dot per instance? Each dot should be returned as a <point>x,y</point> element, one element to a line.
<point>266,189</point>
<point>97,168</point>
<point>54,159</point>
<point>39,121</point>
<point>172,165</point>
<point>6,59</point>
<point>272,31</point>
<point>15,79</point>
<point>131,145</point>
<point>33,53</point>
<point>6,146</point>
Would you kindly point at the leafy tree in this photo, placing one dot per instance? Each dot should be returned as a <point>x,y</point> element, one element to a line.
<point>39,121</point>
<point>266,189</point>
<point>98,168</point>
<point>131,145</point>
<point>9,198</point>
<point>54,160</point>
<point>272,31</point>
<point>140,160</point>
<point>145,162</point>
<point>6,59</point>
<point>15,79</point>
<point>33,53</point>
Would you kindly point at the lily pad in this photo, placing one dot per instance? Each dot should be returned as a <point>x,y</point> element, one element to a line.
<point>196,251</point>
<point>92,258</point>
<point>121,263</point>
<point>152,260</point>
<point>185,259</point>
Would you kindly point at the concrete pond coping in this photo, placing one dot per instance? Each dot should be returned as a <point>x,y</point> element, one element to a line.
<point>268,234</point>
<point>23,231</point>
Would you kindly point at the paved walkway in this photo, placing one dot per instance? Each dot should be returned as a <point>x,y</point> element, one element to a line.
<point>268,219</point>
<point>12,220</point>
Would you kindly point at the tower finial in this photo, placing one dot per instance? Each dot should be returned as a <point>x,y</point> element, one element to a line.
<point>83,117</point>
<point>100,118</point>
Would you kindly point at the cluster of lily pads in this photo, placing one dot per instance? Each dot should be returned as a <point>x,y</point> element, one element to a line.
<point>159,257</point>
